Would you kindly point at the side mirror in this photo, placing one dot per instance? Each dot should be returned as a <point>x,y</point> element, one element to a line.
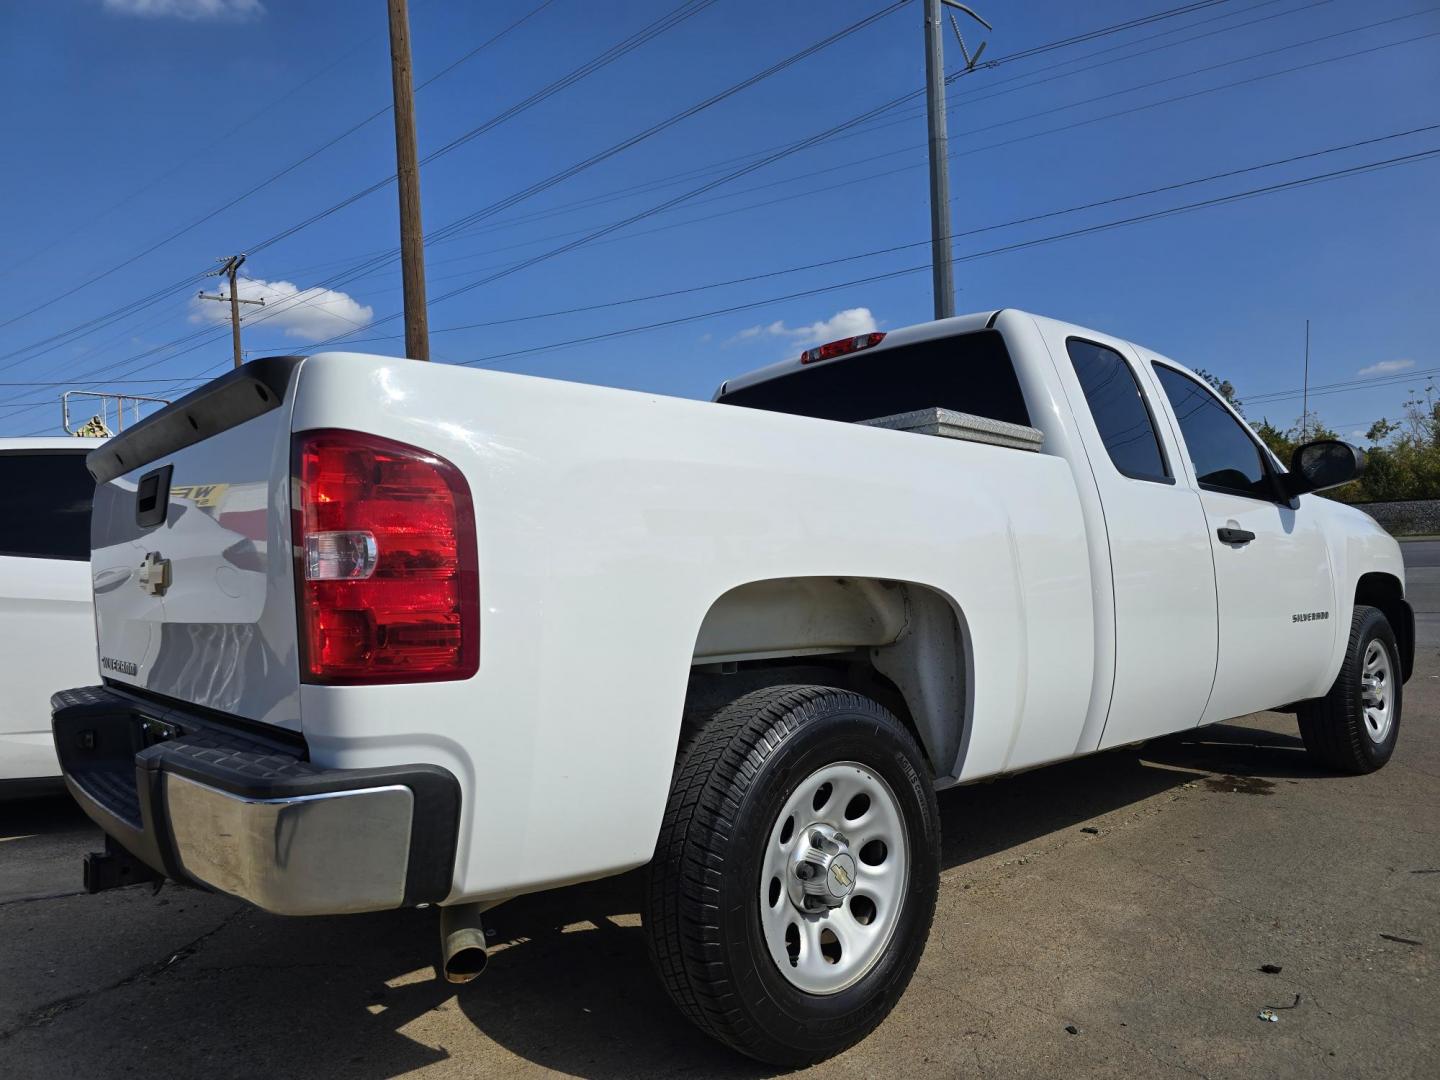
<point>1324,463</point>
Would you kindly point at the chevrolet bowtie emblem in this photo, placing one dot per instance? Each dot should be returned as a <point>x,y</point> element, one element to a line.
<point>154,574</point>
<point>841,877</point>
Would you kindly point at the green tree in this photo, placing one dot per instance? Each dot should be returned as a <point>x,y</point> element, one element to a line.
<point>1224,388</point>
<point>1380,430</point>
<point>1402,458</point>
<point>1279,442</point>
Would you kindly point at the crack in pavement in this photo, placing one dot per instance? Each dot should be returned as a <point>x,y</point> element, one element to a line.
<point>42,896</point>
<point>48,1012</point>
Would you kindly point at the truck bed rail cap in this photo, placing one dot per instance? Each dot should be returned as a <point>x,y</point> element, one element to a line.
<point>220,404</point>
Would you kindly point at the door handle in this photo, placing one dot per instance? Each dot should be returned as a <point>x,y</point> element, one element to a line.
<point>1235,536</point>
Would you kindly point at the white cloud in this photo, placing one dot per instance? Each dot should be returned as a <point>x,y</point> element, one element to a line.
<point>310,314</point>
<point>1386,367</point>
<point>193,10</point>
<point>842,324</point>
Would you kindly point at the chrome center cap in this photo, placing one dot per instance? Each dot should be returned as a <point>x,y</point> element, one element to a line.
<point>822,871</point>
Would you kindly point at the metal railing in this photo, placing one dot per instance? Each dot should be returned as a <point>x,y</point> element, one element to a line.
<point>99,423</point>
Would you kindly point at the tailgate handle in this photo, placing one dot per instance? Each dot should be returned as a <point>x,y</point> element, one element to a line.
<point>152,497</point>
<point>1235,536</point>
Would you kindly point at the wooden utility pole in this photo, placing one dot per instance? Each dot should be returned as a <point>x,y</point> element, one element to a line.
<point>940,258</point>
<point>407,174</point>
<point>230,269</point>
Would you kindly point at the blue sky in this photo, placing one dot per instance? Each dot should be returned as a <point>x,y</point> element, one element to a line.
<point>130,120</point>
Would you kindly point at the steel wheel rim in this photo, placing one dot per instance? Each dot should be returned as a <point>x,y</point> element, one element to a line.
<point>1377,691</point>
<point>820,949</point>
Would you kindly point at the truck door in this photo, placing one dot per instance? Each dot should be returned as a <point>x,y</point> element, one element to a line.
<point>1273,578</point>
<point>1161,571</point>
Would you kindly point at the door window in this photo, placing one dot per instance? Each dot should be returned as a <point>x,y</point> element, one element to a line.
<point>46,505</point>
<point>1225,456</point>
<point>1119,409</point>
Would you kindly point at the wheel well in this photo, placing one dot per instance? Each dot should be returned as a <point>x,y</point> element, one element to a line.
<point>1384,591</point>
<point>899,643</point>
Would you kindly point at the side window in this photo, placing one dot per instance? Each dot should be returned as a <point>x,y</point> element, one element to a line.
<point>1225,457</point>
<point>46,509</point>
<point>1119,409</point>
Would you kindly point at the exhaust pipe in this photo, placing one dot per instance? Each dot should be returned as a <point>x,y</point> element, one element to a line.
<point>462,942</point>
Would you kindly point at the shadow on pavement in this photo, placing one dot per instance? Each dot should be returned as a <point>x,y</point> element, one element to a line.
<point>569,986</point>
<point>53,814</point>
<point>1236,750</point>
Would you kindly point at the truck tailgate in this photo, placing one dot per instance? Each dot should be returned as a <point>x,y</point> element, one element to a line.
<point>191,553</point>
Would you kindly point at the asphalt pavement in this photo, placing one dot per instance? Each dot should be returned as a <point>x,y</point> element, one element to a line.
<point>1422,585</point>
<point>1137,897</point>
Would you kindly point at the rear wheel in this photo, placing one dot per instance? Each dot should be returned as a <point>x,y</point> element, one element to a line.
<point>1354,727</point>
<point>794,882</point>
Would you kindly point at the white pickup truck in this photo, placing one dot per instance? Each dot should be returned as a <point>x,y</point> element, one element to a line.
<point>377,633</point>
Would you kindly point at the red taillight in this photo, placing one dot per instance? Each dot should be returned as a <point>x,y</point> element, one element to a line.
<point>832,349</point>
<point>385,560</point>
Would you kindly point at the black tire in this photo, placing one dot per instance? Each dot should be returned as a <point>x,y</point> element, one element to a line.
<point>1333,727</point>
<point>702,913</point>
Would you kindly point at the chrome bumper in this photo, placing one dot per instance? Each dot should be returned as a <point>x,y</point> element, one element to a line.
<point>308,855</point>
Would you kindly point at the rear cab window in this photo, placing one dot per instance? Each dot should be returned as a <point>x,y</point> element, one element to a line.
<point>1120,411</point>
<point>968,373</point>
<point>46,506</point>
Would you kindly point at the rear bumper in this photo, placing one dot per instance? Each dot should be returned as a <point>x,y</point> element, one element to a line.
<point>201,798</point>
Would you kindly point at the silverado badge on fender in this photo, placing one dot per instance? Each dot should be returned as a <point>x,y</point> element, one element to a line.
<point>154,576</point>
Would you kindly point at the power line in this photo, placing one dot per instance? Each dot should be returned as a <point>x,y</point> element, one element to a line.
<point>1004,249</point>
<point>596,234</point>
<point>1029,219</point>
<point>611,151</point>
<point>717,167</point>
<point>438,235</point>
<point>187,282</point>
<point>634,234</point>
<point>675,17</point>
<point>893,249</point>
<point>951,100</point>
<point>352,275</point>
<point>255,188</point>
<point>1009,142</point>
<point>1341,387</point>
<point>265,110</point>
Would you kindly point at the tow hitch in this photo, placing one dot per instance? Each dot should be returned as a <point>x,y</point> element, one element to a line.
<point>114,868</point>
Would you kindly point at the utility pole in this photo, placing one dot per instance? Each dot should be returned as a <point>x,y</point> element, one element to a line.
<point>943,277</point>
<point>230,269</point>
<point>1305,399</point>
<point>407,175</point>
